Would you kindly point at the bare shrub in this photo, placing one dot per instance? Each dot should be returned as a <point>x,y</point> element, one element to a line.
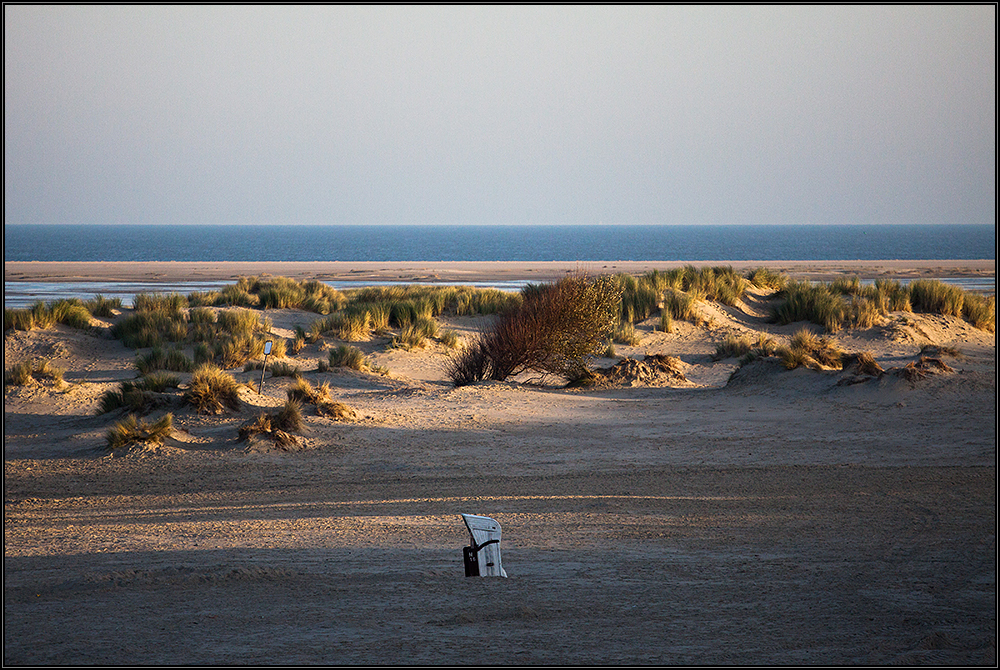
<point>557,329</point>
<point>471,364</point>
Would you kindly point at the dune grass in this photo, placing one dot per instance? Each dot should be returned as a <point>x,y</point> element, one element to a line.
<point>864,363</point>
<point>767,278</point>
<point>347,326</point>
<point>164,359</point>
<point>212,391</point>
<point>103,307</point>
<point>229,337</point>
<point>817,304</point>
<point>303,392</point>
<point>150,329</point>
<point>666,322</point>
<point>810,350</point>
<point>414,335</point>
<point>846,302</point>
<point>168,303</point>
<point>745,347</point>
<point>278,426</point>
<point>931,295</point>
<point>980,311</point>
<point>681,306</point>
<point>18,375</point>
<point>70,312</point>
<point>281,369</point>
<point>733,346</point>
<point>137,395</point>
<point>27,372</point>
<point>346,356</point>
<point>450,339</point>
<point>625,333</point>
<point>132,430</point>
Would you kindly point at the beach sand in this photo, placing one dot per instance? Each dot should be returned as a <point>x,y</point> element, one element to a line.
<point>455,271</point>
<point>776,517</point>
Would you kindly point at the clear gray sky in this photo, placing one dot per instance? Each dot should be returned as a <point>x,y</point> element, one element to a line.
<point>496,115</point>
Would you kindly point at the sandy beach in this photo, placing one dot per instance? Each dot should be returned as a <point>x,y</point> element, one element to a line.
<point>732,515</point>
<point>455,271</point>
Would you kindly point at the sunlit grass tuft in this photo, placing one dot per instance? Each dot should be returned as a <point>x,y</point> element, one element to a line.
<point>132,430</point>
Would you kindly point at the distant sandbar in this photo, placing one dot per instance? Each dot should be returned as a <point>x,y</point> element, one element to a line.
<point>465,271</point>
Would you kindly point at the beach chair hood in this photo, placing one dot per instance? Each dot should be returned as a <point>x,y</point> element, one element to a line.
<point>485,550</point>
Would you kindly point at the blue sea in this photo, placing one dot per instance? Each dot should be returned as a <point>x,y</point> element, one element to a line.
<point>496,243</point>
<point>421,243</point>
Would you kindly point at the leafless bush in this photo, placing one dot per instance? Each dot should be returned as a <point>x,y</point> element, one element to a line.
<point>556,329</point>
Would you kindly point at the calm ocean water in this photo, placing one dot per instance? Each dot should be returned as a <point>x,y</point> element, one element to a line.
<point>495,243</point>
<point>467,243</point>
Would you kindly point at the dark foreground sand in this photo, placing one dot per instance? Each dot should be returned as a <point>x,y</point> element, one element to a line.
<point>777,518</point>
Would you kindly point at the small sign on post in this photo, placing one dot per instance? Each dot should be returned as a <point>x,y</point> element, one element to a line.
<point>267,350</point>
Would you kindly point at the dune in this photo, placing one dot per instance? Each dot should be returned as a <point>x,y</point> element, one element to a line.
<point>686,510</point>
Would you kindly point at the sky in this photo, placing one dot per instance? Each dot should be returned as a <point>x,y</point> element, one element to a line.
<point>500,115</point>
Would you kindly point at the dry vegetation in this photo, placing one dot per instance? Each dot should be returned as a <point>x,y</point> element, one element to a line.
<point>547,332</point>
<point>666,453</point>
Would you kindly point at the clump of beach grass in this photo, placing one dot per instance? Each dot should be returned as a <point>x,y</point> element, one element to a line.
<point>346,356</point>
<point>169,303</point>
<point>980,311</point>
<point>803,301</point>
<point>238,349</point>
<point>414,334</point>
<point>132,430</point>
<point>278,426</point>
<point>281,369</point>
<point>932,295</point>
<point>733,346</point>
<point>893,296</point>
<point>299,343</point>
<point>303,392</point>
<point>212,391</point>
<point>762,347</point>
<point>103,307</point>
<point>864,362</point>
<point>450,339</point>
<point>767,278</point>
<point>681,306</point>
<point>26,372</point>
<point>809,350</point>
<point>352,326</point>
<point>624,333</point>
<point>138,396</point>
<point>143,329</point>
<point>69,312</point>
<point>18,375</point>
<point>164,359</point>
<point>666,323</point>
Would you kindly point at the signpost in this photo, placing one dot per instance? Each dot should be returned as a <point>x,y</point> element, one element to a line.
<point>267,350</point>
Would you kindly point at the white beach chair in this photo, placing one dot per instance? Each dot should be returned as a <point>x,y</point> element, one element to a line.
<point>482,559</point>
